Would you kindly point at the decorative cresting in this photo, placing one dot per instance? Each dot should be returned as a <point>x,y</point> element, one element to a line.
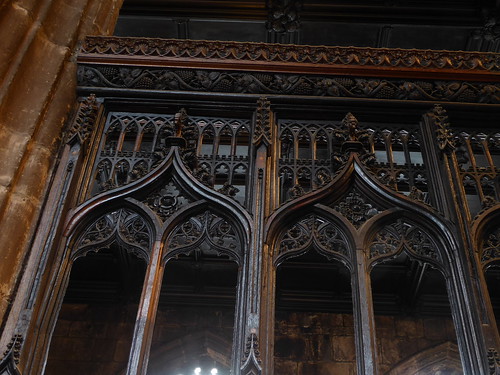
<point>262,52</point>
<point>490,249</point>
<point>84,121</point>
<point>445,139</point>
<point>251,360</point>
<point>327,238</point>
<point>355,208</point>
<point>167,200</point>
<point>268,83</point>
<point>208,234</point>
<point>129,229</point>
<point>403,234</point>
<point>263,118</point>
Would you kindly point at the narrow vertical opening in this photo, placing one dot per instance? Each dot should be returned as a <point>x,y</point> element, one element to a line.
<point>225,142</point>
<point>195,317</point>
<point>412,310</point>
<point>314,327</point>
<point>94,329</point>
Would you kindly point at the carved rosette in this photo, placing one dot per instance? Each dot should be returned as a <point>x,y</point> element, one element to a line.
<point>490,250</point>
<point>402,234</point>
<point>123,226</point>
<point>84,121</point>
<point>327,238</point>
<point>263,115</point>
<point>167,200</point>
<point>207,234</point>
<point>355,208</point>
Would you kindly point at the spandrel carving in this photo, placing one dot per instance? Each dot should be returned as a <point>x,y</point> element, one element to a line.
<point>355,208</point>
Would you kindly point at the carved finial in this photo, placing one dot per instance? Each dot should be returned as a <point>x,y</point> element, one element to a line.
<point>252,363</point>
<point>14,348</point>
<point>180,119</point>
<point>296,191</point>
<point>228,189</point>
<point>350,124</point>
<point>493,361</point>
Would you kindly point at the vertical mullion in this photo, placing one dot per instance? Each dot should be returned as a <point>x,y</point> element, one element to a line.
<point>146,314</point>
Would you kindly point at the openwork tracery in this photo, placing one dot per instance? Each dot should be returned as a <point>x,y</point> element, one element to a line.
<point>206,233</point>
<point>316,231</point>
<point>124,226</point>
<point>403,234</point>
<point>491,247</point>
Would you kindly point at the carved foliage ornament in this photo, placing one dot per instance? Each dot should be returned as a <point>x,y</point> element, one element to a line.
<point>262,131</point>
<point>313,229</point>
<point>132,231</point>
<point>84,122</point>
<point>493,361</point>
<point>284,15</point>
<point>390,238</point>
<point>286,84</point>
<point>491,246</point>
<point>445,140</point>
<point>245,52</point>
<point>355,208</point>
<point>206,233</point>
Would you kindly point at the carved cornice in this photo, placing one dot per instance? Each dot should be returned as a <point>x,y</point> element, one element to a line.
<point>92,77</point>
<point>298,59</point>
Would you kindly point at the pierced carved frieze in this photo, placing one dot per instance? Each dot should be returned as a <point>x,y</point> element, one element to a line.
<point>490,250</point>
<point>261,52</point>
<point>206,234</point>
<point>84,122</point>
<point>388,240</point>
<point>167,200</point>
<point>124,225</point>
<point>142,78</point>
<point>355,208</point>
<point>313,229</point>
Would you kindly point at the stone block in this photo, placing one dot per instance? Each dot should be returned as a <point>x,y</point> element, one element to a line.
<point>435,329</point>
<point>285,367</point>
<point>384,326</point>
<point>12,148</point>
<point>87,329</point>
<point>103,350</point>
<point>290,347</point>
<point>344,349</point>
<point>409,327</point>
<point>31,87</point>
<point>325,368</point>
<point>122,351</point>
<point>389,349</point>
<point>15,23</point>
<point>62,21</point>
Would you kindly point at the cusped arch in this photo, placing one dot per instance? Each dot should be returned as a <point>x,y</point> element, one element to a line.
<point>319,229</point>
<point>419,236</point>
<point>129,227</point>
<point>202,227</point>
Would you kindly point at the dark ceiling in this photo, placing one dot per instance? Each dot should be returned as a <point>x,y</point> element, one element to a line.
<point>426,24</point>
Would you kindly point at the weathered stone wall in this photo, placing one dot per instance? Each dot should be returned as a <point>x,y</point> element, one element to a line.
<point>37,89</point>
<point>91,339</point>
<point>314,344</point>
<point>322,343</point>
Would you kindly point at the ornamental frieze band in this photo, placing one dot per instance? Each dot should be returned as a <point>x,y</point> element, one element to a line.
<point>277,56</point>
<point>194,80</point>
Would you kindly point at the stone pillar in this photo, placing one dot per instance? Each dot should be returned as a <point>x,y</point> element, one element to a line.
<point>37,89</point>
